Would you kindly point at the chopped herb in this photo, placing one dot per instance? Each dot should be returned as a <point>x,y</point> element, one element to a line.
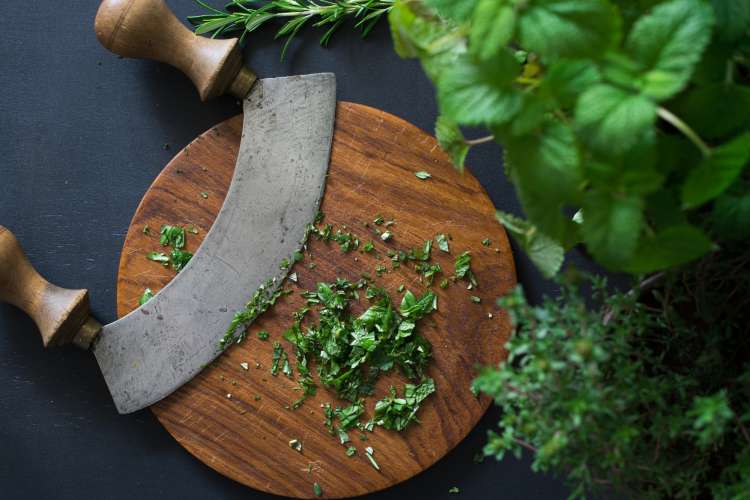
<point>297,256</point>
<point>486,242</point>
<point>284,264</point>
<point>317,490</point>
<point>263,335</point>
<point>368,453</point>
<point>330,414</point>
<point>401,288</point>
<point>204,195</point>
<point>245,366</point>
<point>280,361</point>
<point>444,283</point>
<point>428,271</point>
<point>379,219</point>
<point>262,299</point>
<point>311,265</point>
<point>463,268</point>
<point>296,445</point>
<point>173,236</point>
<point>192,229</point>
<point>349,416</point>
<point>257,397</point>
<point>343,436</point>
<point>180,259</point>
<point>380,269</point>
<point>158,257</point>
<point>146,229</point>
<point>423,175</point>
<point>397,413</point>
<point>369,247</point>
<point>454,490</point>
<point>293,278</point>
<point>147,295</point>
<point>386,235</point>
<point>442,243</point>
<point>475,299</point>
<point>390,223</point>
<point>351,451</point>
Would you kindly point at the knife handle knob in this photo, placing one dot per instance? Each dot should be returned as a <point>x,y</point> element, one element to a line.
<point>148,29</point>
<point>61,315</point>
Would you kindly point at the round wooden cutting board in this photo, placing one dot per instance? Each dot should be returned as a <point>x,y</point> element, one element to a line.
<point>246,436</point>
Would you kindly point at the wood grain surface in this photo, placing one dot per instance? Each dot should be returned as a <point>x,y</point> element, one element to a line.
<point>246,436</point>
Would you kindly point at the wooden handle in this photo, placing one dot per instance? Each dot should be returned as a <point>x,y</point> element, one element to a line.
<point>62,315</point>
<point>147,29</point>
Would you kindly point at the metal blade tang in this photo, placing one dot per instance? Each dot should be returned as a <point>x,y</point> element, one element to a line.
<point>276,190</point>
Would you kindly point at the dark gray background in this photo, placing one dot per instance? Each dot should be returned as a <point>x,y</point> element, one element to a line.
<point>82,139</point>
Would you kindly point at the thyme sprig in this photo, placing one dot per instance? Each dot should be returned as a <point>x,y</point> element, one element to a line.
<point>245,16</point>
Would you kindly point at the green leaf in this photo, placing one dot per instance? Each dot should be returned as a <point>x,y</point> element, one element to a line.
<point>670,247</point>
<point>544,252</point>
<point>417,33</point>
<point>731,216</point>
<point>452,141</point>
<point>442,243</point>
<point>492,28</point>
<point>732,18</point>
<point>472,93</point>
<point>423,175</point>
<point>451,9</point>
<point>157,257</point>
<point>567,79</point>
<point>700,107</point>
<point>611,227</point>
<point>532,115</point>
<point>611,120</point>
<point>668,42</point>
<point>717,172</point>
<point>568,28</point>
<point>147,295</point>
<point>545,167</point>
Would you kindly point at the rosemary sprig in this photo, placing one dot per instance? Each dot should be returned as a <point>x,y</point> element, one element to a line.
<point>245,16</point>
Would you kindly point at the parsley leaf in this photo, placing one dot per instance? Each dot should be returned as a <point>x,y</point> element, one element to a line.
<point>397,413</point>
<point>463,268</point>
<point>442,243</point>
<point>147,295</point>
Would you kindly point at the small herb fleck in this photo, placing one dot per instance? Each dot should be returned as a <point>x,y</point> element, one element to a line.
<point>147,295</point>
<point>442,243</point>
<point>368,247</point>
<point>486,242</point>
<point>423,175</point>
<point>454,490</point>
<point>146,229</point>
<point>263,335</point>
<point>204,195</point>
<point>386,235</point>
<point>351,451</point>
<point>378,219</point>
<point>476,299</point>
<point>158,257</point>
<point>296,445</point>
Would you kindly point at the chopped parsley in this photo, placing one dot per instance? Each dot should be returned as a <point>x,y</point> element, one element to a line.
<point>486,242</point>
<point>423,175</point>
<point>368,247</point>
<point>146,229</point>
<point>397,413</point>
<point>180,259</point>
<point>317,490</point>
<point>428,271</point>
<point>263,335</point>
<point>284,265</point>
<point>296,445</point>
<point>204,195</point>
<point>442,243</point>
<point>386,235</point>
<point>158,257</point>
<point>475,299</point>
<point>351,352</point>
<point>369,452</point>
<point>280,361</point>
<point>454,490</point>
<point>173,236</point>
<point>351,451</point>
<point>463,268</point>
<point>147,295</point>
<point>378,219</point>
<point>264,297</point>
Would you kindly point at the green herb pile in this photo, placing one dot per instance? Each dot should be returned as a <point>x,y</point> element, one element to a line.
<point>351,352</point>
<point>649,395</point>
<point>245,16</point>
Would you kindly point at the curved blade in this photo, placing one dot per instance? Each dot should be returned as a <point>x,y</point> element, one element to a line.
<point>276,190</point>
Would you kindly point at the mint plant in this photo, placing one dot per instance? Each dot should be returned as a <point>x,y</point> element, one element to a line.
<point>624,125</point>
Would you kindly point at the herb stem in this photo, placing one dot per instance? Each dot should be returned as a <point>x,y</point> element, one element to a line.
<point>683,127</point>
<point>481,140</point>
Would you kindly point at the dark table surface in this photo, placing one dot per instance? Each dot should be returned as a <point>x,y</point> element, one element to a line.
<point>83,137</point>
